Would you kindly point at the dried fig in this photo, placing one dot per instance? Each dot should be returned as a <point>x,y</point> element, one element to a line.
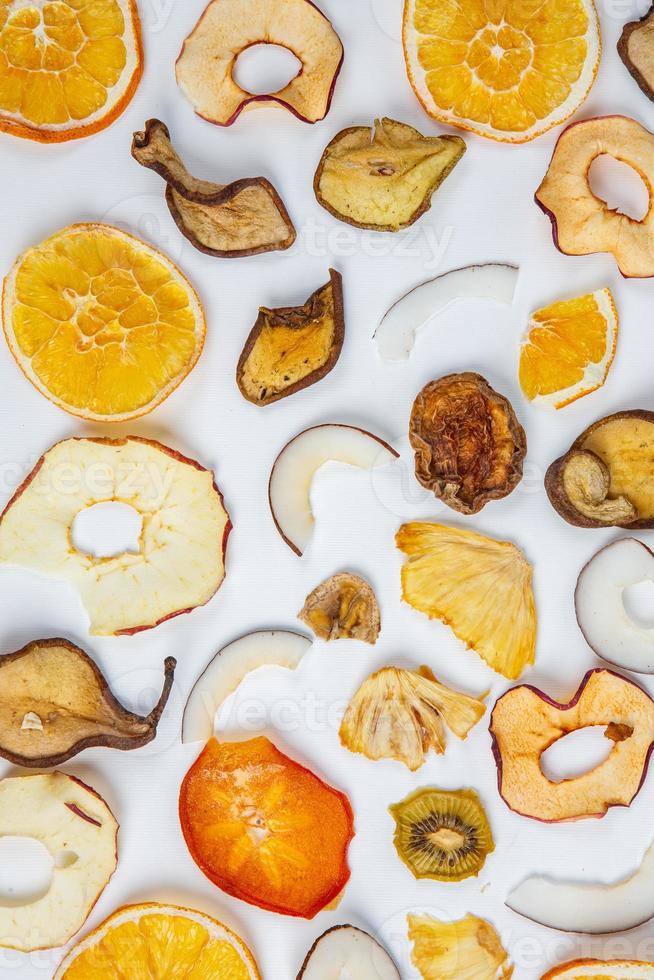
<point>293,347</point>
<point>233,220</point>
<point>469,446</point>
<point>343,607</point>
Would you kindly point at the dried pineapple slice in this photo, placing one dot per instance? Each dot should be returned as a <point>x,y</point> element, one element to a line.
<point>469,949</point>
<point>481,588</point>
<point>400,714</point>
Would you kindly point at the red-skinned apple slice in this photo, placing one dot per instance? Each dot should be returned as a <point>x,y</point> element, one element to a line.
<point>227,27</point>
<point>80,832</point>
<point>601,613</point>
<point>588,908</point>
<point>181,559</point>
<point>294,469</point>
<point>266,648</point>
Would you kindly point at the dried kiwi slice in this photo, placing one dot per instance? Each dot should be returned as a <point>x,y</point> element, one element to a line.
<point>442,835</point>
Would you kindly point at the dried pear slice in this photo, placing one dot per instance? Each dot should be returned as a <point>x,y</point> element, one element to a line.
<point>402,714</point>
<point>55,702</point>
<point>469,947</point>
<point>442,835</point>
<point>234,220</point>
<point>343,607</point>
<point>481,588</point>
<point>293,347</point>
<point>636,48</point>
<point>382,178</point>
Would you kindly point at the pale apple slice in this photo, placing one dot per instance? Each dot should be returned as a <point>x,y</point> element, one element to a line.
<point>349,952</point>
<point>266,648</point>
<point>289,491</point>
<point>588,908</point>
<point>396,334</point>
<point>80,832</point>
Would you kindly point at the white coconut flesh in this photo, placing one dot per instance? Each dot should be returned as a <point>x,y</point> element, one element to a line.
<point>266,648</point>
<point>347,953</point>
<point>601,613</point>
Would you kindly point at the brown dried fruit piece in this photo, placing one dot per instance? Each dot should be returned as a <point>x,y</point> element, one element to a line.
<point>55,702</point>
<point>343,607</point>
<point>636,48</point>
<point>468,442</point>
<point>383,178</point>
<point>293,347</point>
<point>605,478</point>
<point>233,220</point>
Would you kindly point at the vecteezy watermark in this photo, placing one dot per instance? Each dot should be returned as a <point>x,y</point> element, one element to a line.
<point>425,245</point>
<point>146,216</point>
<point>155,14</point>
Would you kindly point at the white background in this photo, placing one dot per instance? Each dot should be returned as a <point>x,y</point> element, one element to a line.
<point>484,212</point>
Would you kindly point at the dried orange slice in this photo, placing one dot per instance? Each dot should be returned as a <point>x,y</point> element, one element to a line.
<point>102,324</point>
<point>68,68</point>
<point>569,348</point>
<point>506,69</point>
<point>159,942</point>
<point>265,829</point>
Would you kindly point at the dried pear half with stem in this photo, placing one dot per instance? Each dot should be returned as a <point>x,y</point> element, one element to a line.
<point>382,178</point>
<point>55,702</point>
<point>234,220</point>
<point>481,588</point>
<point>402,714</point>
<point>469,948</point>
<point>443,835</point>
<point>605,478</point>
<point>343,607</point>
<point>636,48</point>
<point>293,347</point>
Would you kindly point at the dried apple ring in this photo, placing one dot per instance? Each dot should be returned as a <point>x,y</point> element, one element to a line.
<point>227,27</point>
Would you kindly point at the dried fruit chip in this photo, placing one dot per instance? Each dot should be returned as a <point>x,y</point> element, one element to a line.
<point>233,220</point>
<point>604,969</point>
<point>468,442</point>
<point>345,951</point>
<point>343,607</point>
<point>468,949</point>
<point>159,942</point>
<point>264,829</point>
<point>205,67</point>
<point>402,714</point>
<point>55,702</point>
<point>442,835</point>
<point>636,48</point>
<point>293,347</point>
<point>383,178</point>
<point>480,587</point>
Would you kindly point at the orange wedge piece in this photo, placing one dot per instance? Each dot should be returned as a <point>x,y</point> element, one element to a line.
<point>102,324</point>
<point>68,68</point>
<point>505,69</point>
<point>569,349</point>
<point>159,942</point>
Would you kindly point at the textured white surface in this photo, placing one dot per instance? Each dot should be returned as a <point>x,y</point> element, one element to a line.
<point>483,213</point>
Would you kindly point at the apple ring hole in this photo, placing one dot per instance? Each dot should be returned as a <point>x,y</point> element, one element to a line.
<point>638,602</point>
<point>107,529</point>
<point>619,186</point>
<point>576,753</point>
<point>26,868</point>
<point>263,69</point>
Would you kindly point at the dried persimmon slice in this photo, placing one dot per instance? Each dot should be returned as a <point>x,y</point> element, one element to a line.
<point>265,829</point>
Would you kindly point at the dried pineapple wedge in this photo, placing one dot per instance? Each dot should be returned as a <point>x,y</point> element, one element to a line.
<point>401,714</point>
<point>481,588</point>
<point>469,949</point>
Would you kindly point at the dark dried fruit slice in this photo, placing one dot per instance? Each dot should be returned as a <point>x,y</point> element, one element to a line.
<point>55,702</point>
<point>264,829</point>
<point>382,178</point>
<point>468,442</point>
<point>636,48</point>
<point>233,220</point>
<point>442,835</point>
<point>605,478</point>
<point>293,347</point>
<point>343,607</point>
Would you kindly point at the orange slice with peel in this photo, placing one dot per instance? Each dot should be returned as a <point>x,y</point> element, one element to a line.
<point>101,323</point>
<point>159,942</point>
<point>569,349</point>
<point>68,68</point>
<point>265,829</point>
<point>505,69</point>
